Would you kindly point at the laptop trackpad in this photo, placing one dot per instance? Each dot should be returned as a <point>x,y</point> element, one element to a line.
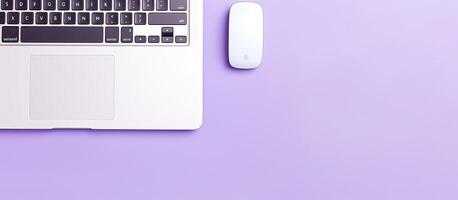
<point>72,87</point>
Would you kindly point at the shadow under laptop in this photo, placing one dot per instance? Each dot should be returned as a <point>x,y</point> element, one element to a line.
<point>92,132</point>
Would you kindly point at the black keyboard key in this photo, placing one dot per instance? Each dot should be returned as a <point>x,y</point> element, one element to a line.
<point>69,18</point>
<point>91,5</point>
<point>153,39</point>
<point>55,18</point>
<point>111,34</point>
<point>35,4</point>
<point>119,5</point>
<point>140,39</point>
<point>41,18</point>
<point>10,34</point>
<point>140,18</point>
<point>167,19</point>
<point>181,39</point>
<point>27,18</point>
<point>12,18</point>
<point>127,34</point>
<point>83,18</point>
<point>21,4</point>
<point>178,5</point>
<point>77,4</point>
<point>7,4</point>
<point>2,18</point>
<point>162,5</point>
<point>126,18</point>
<point>167,31</point>
<point>97,18</point>
<point>148,5</point>
<point>61,34</point>
<point>133,4</point>
<point>112,18</point>
<point>49,4</point>
<point>167,39</point>
<point>106,5</point>
<point>63,4</point>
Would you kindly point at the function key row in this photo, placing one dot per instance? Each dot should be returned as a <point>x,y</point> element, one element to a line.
<point>94,5</point>
<point>95,18</point>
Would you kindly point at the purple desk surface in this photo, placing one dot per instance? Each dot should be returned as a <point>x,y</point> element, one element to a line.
<point>355,100</point>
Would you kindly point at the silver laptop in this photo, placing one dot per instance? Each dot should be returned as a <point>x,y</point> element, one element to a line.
<point>101,64</point>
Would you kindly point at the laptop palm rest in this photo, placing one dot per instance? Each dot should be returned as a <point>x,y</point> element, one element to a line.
<point>72,87</point>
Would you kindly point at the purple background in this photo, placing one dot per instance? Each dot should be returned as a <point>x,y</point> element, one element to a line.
<point>355,100</point>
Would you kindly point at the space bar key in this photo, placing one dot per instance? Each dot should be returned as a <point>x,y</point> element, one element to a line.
<point>61,34</point>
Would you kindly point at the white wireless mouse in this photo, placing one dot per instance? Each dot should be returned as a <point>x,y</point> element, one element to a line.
<point>246,35</point>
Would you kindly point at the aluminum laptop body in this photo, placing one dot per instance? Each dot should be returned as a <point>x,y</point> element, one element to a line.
<point>101,64</point>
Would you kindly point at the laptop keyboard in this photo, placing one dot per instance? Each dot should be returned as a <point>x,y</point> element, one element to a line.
<point>95,22</point>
